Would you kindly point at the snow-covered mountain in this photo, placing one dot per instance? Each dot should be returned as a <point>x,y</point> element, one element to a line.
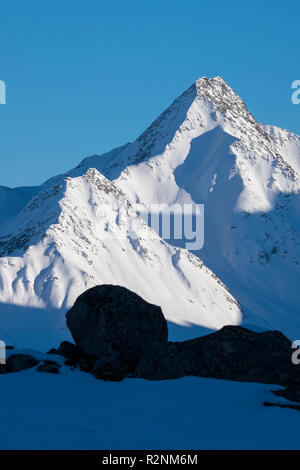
<point>74,236</point>
<point>205,148</point>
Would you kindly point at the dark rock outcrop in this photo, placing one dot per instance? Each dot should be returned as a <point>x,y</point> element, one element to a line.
<point>113,325</point>
<point>87,363</point>
<point>111,367</point>
<point>118,334</point>
<point>49,366</point>
<point>19,362</point>
<point>292,386</point>
<point>233,353</point>
<point>69,351</point>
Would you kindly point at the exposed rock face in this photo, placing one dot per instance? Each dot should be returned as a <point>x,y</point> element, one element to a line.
<point>87,363</point>
<point>233,353</point>
<point>49,366</point>
<point>18,362</point>
<point>113,325</point>
<point>292,386</point>
<point>111,367</point>
<point>68,350</point>
<point>170,361</point>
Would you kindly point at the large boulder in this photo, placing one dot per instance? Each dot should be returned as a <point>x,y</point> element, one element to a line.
<point>19,362</point>
<point>113,325</point>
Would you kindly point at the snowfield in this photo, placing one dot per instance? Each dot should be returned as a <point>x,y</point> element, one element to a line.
<point>72,410</point>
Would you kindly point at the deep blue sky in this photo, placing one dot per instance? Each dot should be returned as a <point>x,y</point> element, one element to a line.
<point>84,76</point>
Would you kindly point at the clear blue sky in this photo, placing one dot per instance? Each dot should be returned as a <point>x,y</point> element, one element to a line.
<point>84,76</point>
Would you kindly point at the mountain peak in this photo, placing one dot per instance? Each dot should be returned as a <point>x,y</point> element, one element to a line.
<point>217,79</point>
<point>220,94</point>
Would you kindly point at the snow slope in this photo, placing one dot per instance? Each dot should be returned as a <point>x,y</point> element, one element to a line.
<point>74,236</point>
<point>72,410</point>
<point>205,148</point>
<point>288,143</point>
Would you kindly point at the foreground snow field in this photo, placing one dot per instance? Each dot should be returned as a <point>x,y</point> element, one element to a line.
<point>72,410</point>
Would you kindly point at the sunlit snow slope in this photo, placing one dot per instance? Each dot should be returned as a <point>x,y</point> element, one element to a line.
<point>71,237</point>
